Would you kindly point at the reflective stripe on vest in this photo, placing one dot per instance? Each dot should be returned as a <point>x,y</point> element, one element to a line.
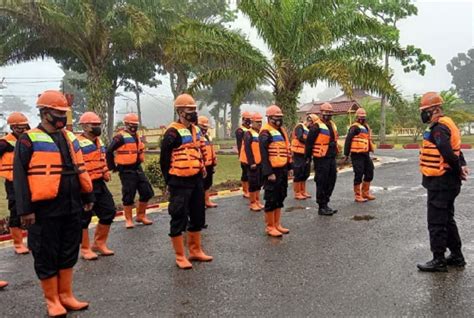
<point>321,145</point>
<point>130,153</point>
<point>46,166</point>
<point>432,164</point>
<point>279,148</point>
<point>186,160</point>
<point>361,142</point>
<point>6,161</point>
<point>210,154</point>
<point>296,145</point>
<point>255,146</point>
<point>94,157</point>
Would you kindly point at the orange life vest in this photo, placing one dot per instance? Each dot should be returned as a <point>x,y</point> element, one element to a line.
<point>46,166</point>
<point>6,161</point>
<point>431,161</point>
<point>187,159</point>
<point>255,146</point>
<point>210,158</point>
<point>244,129</point>
<point>279,148</point>
<point>296,145</point>
<point>130,152</point>
<point>94,157</point>
<point>321,145</point>
<point>363,141</point>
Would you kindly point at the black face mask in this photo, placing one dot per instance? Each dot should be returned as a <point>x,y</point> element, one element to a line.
<point>278,122</point>
<point>247,122</point>
<point>361,121</point>
<point>18,131</point>
<point>132,129</point>
<point>426,116</point>
<point>96,131</point>
<point>327,117</point>
<point>191,117</point>
<point>57,122</point>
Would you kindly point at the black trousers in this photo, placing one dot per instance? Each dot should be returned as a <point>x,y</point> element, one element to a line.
<point>441,224</point>
<point>244,177</point>
<point>186,208</point>
<point>276,191</point>
<point>133,181</point>
<point>104,205</point>
<point>326,175</point>
<point>54,243</point>
<point>208,180</point>
<point>255,178</point>
<point>363,167</point>
<point>14,220</point>
<point>301,169</point>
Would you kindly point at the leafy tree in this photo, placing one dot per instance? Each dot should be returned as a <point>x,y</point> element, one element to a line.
<point>74,83</point>
<point>461,68</point>
<point>13,103</point>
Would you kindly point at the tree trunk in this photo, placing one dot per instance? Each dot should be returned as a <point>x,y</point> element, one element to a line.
<point>139,107</point>
<point>178,83</point>
<point>383,109</point>
<point>234,119</point>
<point>288,102</point>
<point>97,89</point>
<point>226,135</point>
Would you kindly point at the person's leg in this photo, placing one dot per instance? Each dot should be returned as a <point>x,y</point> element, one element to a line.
<point>271,197</point>
<point>254,188</point>
<point>244,179</point>
<point>282,177</point>
<point>298,174</point>
<point>14,222</point>
<point>104,208</point>
<point>208,180</point>
<point>145,191</point>
<point>129,182</point>
<point>86,251</point>
<point>321,167</point>
<point>358,167</point>
<point>368,177</point>
<point>454,244</point>
<point>307,172</point>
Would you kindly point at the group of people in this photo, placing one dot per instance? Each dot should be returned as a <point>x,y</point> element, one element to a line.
<point>56,180</point>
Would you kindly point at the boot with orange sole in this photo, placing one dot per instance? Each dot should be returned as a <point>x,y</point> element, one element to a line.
<point>297,189</point>
<point>3,284</point>
<point>17,236</point>
<point>209,203</point>
<point>366,191</point>
<point>66,296</point>
<point>141,214</point>
<point>358,194</point>
<point>260,204</point>
<point>306,194</point>
<point>245,189</point>
<point>86,252</point>
<point>195,250</point>
<point>278,225</point>
<point>50,288</point>
<point>100,240</point>
<point>127,213</point>
<point>254,203</point>
<point>178,246</point>
<point>270,228</point>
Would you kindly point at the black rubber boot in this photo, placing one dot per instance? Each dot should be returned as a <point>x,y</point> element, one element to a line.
<point>455,260</point>
<point>437,264</point>
<point>333,211</point>
<point>323,210</point>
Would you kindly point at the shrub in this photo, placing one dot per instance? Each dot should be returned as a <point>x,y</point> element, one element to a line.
<point>153,173</point>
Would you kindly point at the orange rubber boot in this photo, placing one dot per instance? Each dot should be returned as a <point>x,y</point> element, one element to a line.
<point>17,235</point>
<point>258,201</point>
<point>298,191</point>
<point>209,203</point>
<point>254,203</point>
<point>306,194</point>
<point>86,252</point>
<point>51,295</point>
<point>127,212</point>
<point>3,284</point>
<point>270,224</point>
<point>358,194</point>
<point>66,296</point>
<point>181,260</point>
<point>278,226</point>
<point>245,189</point>
<point>100,240</point>
<point>195,250</point>
<point>366,191</point>
<point>141,214</point>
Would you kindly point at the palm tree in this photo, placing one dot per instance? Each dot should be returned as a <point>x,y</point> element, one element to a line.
<point>309,41</point>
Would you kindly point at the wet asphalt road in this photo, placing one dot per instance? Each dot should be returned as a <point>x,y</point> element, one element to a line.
<point>326,266</point>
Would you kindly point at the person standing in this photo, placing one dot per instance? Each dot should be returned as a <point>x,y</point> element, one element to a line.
<point>52,190</point>
<point>321,144</point>
<point>239,136</point>
<point>182,165</point>
<point>250,156</point>
<point>18,124</point>
<point>358,146</point>
<point>210,160</point>
<point>130,154</point>
<point>443,168</point>
<point>276,165</point>
<point>93,151</point>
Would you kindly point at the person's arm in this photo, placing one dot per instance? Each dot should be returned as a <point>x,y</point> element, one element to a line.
<point>264,140</point>
<point>116,142</point>
<point>312,136</point>
<point>442,139</point>
<point>299,133</point>
<point>239,136</point>
<point>170,140</point>
<point>248,148</point>
<point>21,161</point>
<point>3,147</point>
<point>354,131</point>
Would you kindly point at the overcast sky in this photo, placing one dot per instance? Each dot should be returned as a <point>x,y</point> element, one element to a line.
<point>442,28</point>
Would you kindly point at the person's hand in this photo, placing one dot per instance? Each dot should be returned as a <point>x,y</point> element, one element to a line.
<point>272,177</point>
<point>107,177</point>
<point>28,219</point>
<point>346,158</point>
<point>308,161</point>
<point>204,173</point>
<point>290,173</point>
<point>88,206</point>
<point>464,173</point>
<point>253,167</point>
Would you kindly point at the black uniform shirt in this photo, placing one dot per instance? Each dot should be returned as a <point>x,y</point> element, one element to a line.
<point>68,200</point>
<point>117,142</point>
<point>313,135</point>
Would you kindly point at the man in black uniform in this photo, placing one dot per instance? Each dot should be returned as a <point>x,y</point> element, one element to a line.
<point>239,136</point>
<point>321,144</point>
<point>49,180</point>
<point>443,167</point>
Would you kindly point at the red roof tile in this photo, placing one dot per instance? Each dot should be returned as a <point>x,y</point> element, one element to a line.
<point>340,108</point>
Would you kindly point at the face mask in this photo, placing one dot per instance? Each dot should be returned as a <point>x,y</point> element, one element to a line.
<point>426,116</point>
<point>191,117</point>
<point>361,120</point>
<point>132,129</point>
<point>247,122</point>
<point>57,122</point>
<point>327,117</point>
<point>278,122</point>
<point>96,131</point>
<point>204,131</point>
<point>17,131</point>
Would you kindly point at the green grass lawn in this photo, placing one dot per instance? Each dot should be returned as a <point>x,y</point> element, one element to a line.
<point>228,169</point>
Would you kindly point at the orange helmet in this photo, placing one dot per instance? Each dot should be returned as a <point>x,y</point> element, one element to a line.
<point>247,115</point>
<point>257,116</point>
<point>17,118</point>
<point>361,112</point>
<point>314,118</point>
<point>326,107</point>
<point>90,118</point>
<point>53,99</point>
<point>274,110</point>
<point>131,118</point>
<point>184,100</point>
<point>203,121</point>
<point>430,99</point>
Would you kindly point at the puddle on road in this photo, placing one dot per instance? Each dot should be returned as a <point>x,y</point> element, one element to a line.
<point>362,217</point>
<point>389,188</point>
<point>297,208</point>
